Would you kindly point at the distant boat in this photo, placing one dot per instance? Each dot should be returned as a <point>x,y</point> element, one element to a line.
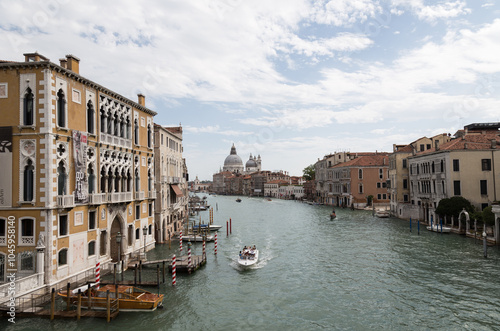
<point>211,227</point>
<point>248,257</point>
<point>197,238</point>
<point>382,213</point>
<point>438,228</point>
<point>238,200</point>
<point>333,215</point>
<point>269,199</point>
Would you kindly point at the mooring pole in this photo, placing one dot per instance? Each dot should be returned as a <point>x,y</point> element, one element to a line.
<point>68,295</point>
<point>79,306</point>
<point>53,303</point>
<point>410,224</point>
<point>418,227</point>
<point>135,274</point>
<point>230,226</point>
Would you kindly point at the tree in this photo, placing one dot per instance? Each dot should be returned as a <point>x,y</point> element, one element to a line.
<point>488,215</point>
<point>453,206</point>
<point>309,172</point>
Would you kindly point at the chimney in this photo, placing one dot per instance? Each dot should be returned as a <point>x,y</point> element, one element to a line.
<point>34,57</point>
<point>142,99</point>
<point>64,63</point>
<point>436,143</point>
<point>73,63</point>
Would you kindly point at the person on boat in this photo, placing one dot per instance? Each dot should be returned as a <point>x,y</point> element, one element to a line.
<point>253,247</point>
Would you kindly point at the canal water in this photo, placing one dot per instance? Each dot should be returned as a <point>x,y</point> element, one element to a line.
<point>355,272</point>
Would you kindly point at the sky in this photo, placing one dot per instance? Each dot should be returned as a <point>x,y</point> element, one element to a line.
<point>289,80</point>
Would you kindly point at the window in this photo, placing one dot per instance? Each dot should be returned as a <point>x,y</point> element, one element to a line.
<point>28,181</point>
<point>484,205</point>
<point>378,185</point>
<point>405,183</point>
<point>384,196</point>
<point>150,229</point>
<point>432,167</point>
<point>149,136</point>
<point>405,163</point>
<point>486,164</point>
<point>92,179</point>
<point>360,188</point>
<point>422,147</point>
<point>456,187</point>
<point>405,197</point>
<point>137,181</point>
<point>484,187</point>
<point>61,109</point>
<point>61,179</point>
<point>62,257</point>
<point>428,146</point>
<point>136,132</point>
<point>360,173</point>
<point>103,121</point>
<point>28,108</point>
<point>27,231</point>
<point>150,209</point>
<point>92,248</point>
<point>442,166</point>
<point>379,196</point>
<point>137,212</point>
<point>137,234</point>
<point>92,219</point>
<point>103,242</point>
<point>63,225</point>
<point>456,165</point>
<point>384,185</point>
<point>3,225</point>
<point>90,117</point>
<point>130,234</point>
<point>380,173</point>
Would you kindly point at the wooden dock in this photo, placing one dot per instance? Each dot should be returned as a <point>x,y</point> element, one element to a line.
<point>181,263</point>
<point>71,314</point>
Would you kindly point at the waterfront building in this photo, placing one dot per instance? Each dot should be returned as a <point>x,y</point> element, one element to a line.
<point>171,182</point>
<point>199,186</point>
<point>355,180</point>
<point>309,190</point>
<point>77,161</point>
<point>464,166</point>
<point>398,184</point>
<point>324,176</point>
<point>271,188</point>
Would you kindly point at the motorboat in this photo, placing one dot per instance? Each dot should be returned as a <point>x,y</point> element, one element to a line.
<point>248,256</point>
<point>238,200</point>
<point>211,227</point>
<point>382,213</point>
<point>197,237</point>
<point>130,298</point>
<point>439,228</point>
<point>333,215</point>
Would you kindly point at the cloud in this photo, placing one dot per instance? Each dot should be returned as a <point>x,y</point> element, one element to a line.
<point>431,13</point>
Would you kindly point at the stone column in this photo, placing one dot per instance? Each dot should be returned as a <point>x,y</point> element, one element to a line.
<point>40,259</point>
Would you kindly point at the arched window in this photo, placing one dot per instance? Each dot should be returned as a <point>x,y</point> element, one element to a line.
<point>149,136</point>
<point>103,180</point>
<point>61,109</point>
<point>137,181</point>
<point>136,132</point>
<point>90,117</point>
<point>127,132</point>
<point>116,125</point>
<point>360,173</point>
<point>91,179</point>
<point>150,181</point>
<point>62,257</point>
<point>110,123</point>
<point>61,179</point>
<point>103,120</point>
<point>28,108</point>
<point>442,166</point>
<point>28,181</point>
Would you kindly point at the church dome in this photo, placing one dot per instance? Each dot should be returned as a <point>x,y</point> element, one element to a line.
<point>233,159</point>
<point>251,163</point>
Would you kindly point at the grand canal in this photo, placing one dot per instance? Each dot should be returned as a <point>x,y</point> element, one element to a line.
<point>356,272</point>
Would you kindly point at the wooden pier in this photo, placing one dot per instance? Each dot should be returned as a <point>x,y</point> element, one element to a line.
<point>181,264</point>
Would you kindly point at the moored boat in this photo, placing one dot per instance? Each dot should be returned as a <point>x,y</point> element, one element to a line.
<point>248,256</point>
<point>382,213</point>
<point>211,227</point>
<point>439,228</point>
<point>197,238</point>
<point>130,298</point>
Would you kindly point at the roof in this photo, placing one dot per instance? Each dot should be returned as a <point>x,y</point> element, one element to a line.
<point>379,159</point>
<point>470,141</point>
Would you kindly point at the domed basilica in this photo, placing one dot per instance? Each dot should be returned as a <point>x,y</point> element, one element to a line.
<point>233,163</point>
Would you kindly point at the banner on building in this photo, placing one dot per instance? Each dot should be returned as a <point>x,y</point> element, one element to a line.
<point>6,166</point>
<point>80,158</point>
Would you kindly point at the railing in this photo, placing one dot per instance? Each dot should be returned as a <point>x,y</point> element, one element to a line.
<point>65,201</point>
<point>139,195</point>
<point>115,140</point>
<point>116,197</point>
<point>97,198</point>
<point>152,194</point>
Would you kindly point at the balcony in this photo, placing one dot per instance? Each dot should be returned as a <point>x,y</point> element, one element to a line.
<point>65,201</point>
<point>97,198</point>
<point>152,195</point>
<point>139,195</point>
<point>115,140</point>
<point>117,197</point>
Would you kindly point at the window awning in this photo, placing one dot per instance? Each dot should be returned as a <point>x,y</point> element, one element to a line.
<point>177,190</point>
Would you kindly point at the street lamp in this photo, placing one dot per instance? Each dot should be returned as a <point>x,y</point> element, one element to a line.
<point>119,242</point>
<point>145,232</point>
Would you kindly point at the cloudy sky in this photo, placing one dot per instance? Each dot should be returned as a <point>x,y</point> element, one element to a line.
<point>291,80</point>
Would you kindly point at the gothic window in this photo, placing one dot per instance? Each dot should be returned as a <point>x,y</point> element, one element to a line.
<point>28,181</point>
<point>28,108</point>
<point>61,109</point>
<point>360,173</point>
<point>90,117</point>
<point>136,132</point>
<point>61,179</point>
<point>103,180</point>
<point>91,179</point>
<point>110,180</point>
<point>150,181</point>
<point>149,136</point>
<point>128,129</point>
<point>116,125</point>
<point>103,120</point>
<point>110,123</point>
<point>137,181</point>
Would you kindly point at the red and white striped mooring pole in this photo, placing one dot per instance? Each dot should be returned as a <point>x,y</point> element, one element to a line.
<point>173,270</point>
<point>180,240</point>
<point>204,252</point>
<point>98,274</point>
<point>189,254</point>
<point>215,248</point>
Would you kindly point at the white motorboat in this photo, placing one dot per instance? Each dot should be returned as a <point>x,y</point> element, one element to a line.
<point>248,257</point>
<point>437,228</point>
<point>382,213</point>
<point>197,238</point>
<point>211,227</point>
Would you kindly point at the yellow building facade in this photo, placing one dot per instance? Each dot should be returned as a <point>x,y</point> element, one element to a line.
<point>77,181</point>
